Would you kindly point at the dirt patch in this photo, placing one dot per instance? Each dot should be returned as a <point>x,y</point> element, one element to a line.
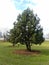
<point>25,52</point>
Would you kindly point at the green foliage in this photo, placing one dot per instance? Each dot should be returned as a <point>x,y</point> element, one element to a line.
<point>27,30</point>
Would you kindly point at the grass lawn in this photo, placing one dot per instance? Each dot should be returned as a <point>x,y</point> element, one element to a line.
<point>7,57</point>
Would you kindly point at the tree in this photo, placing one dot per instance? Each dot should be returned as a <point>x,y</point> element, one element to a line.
<point>27,30</point>
<point>6,36</point>
<point>0,34</point>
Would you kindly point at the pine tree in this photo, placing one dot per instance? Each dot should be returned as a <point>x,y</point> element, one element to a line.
<point>27,30</point>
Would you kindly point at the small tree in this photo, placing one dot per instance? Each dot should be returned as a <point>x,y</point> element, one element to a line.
<point>27,30</point>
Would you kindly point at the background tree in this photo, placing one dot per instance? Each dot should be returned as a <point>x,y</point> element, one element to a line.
<point>0,34</point>
<point>6,36</point>
<point>27,30</point>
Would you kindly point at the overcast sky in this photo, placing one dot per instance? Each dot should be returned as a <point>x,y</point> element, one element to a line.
<point>9,9</point>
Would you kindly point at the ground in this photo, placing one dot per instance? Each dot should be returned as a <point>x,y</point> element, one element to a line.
<point>9,55</point>
<point>26,52</point>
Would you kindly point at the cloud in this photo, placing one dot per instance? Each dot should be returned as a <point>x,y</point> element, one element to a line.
<point>22,4</point>
<point>8,14</point>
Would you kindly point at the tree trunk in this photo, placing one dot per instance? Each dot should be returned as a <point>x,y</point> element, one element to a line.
<point>28,46</point>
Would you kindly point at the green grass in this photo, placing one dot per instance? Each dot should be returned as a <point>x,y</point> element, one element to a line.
<point>7,57</point>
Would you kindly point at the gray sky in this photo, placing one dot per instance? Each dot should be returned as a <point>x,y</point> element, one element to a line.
<point>9,9</point>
